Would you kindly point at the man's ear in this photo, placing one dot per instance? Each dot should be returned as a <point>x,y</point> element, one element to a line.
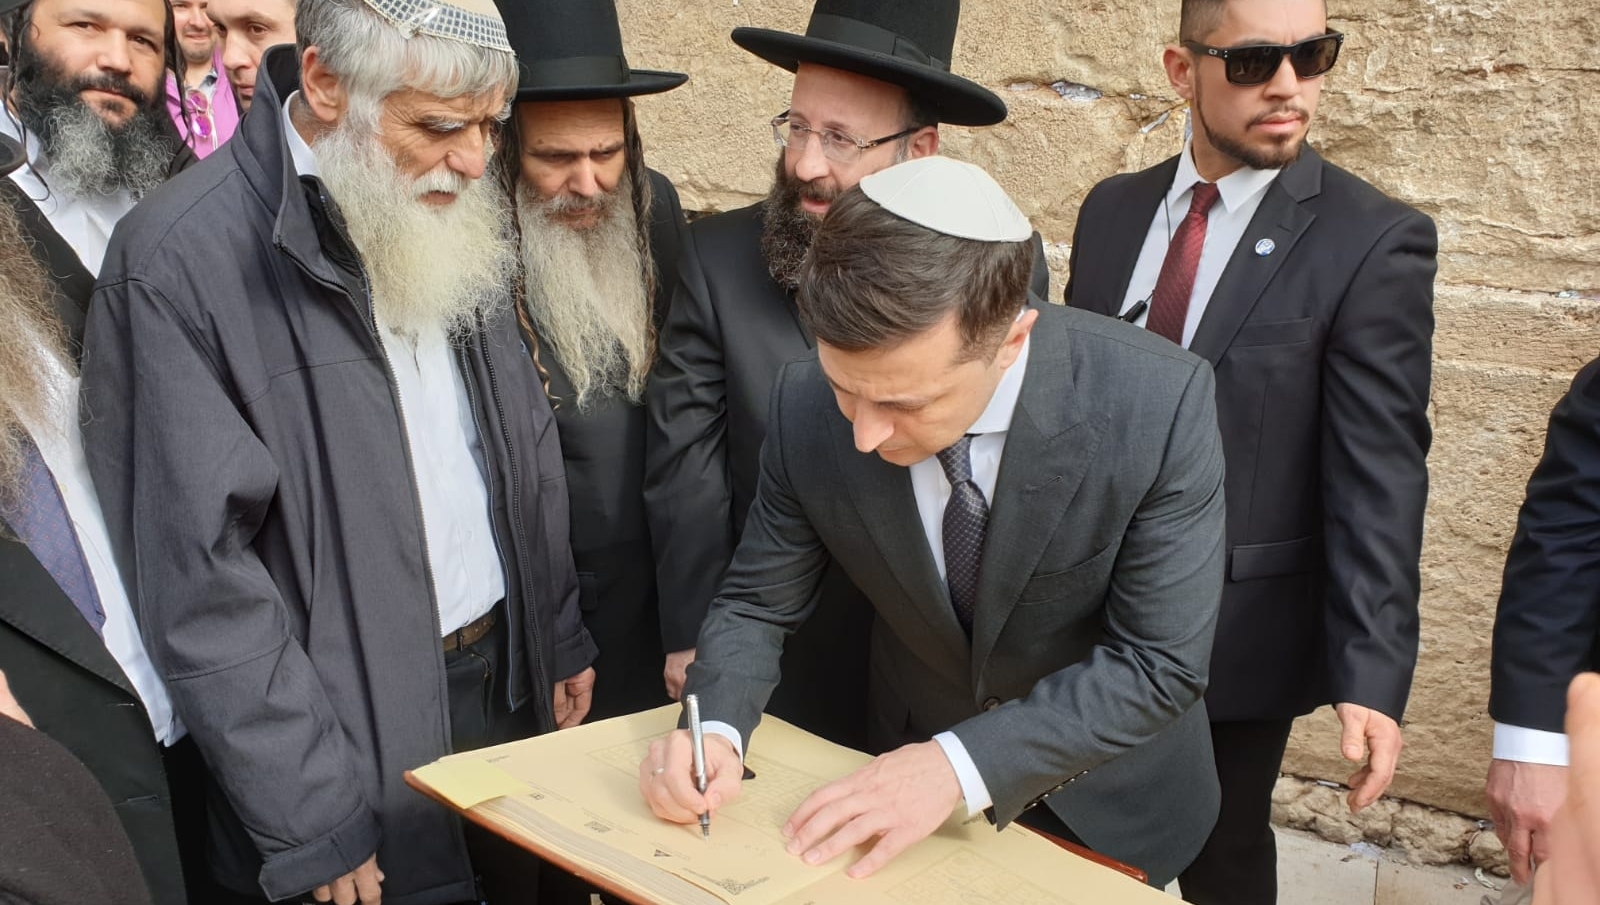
<point>321,89</point>
<point>1011,347</point>
<point>924,143</point>
<point>1179,63</point>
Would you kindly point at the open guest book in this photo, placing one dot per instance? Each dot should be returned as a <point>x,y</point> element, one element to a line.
<point>572,797</point>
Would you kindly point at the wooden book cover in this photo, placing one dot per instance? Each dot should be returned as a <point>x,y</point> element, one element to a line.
<point>572,797</point>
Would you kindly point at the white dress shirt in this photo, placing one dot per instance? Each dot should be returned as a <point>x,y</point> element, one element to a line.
<point>932,490</point>
<point>446,456</point>
<point>1241,192</point>
<point>61,447</point>
<point>85,223</point>
<point>1532,746</point>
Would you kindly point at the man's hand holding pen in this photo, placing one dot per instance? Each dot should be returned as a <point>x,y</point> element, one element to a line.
<point>667,777</point>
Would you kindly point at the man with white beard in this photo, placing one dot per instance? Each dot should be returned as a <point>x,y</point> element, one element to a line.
<point>68,642</point>
<point>85,95</point>
<point>328,464</point>
<point>600,237</point>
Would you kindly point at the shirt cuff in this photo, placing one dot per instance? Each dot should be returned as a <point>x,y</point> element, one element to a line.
<point>1530,746</point>
<point>973,788</point>
<point>717,727</point>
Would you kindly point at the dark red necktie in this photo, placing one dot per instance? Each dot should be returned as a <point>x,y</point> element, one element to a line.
<point>1169,304</point>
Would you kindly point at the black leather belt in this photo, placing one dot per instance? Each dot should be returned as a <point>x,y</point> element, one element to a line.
<point>469,634</point>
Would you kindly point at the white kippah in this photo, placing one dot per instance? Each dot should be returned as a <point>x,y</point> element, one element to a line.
<point>950,197</point>
<point>474,22</point>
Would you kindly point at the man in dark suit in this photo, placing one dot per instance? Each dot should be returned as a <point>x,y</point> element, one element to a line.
<point>1310,292</point>
<point>1547,629</point>
<point>1030,497</point>
<point>872,84</point>
<point>68,643</point>
<point>600,238</point>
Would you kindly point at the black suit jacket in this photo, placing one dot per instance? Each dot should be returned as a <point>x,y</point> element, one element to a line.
<point>1322,350</point>
<point>1096,601</point>
<point>603,449</point>
<point>1547,629</point>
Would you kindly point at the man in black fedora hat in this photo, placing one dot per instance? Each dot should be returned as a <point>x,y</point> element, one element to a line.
<point>600,237</point>
<point>872,84</point>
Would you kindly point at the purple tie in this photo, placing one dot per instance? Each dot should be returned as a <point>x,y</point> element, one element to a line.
<point>40,521</point>
<point>966,523</point>
<point>1169,304</point>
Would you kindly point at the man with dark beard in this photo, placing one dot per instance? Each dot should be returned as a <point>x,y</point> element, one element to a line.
<point>329,466</point>
<point>68,641</point>
<point>85,95</point>
<point>1311,293</point>
<point>870,89</point>
<point>600,240</point>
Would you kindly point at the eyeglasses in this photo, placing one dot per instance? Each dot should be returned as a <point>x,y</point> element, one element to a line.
<point>199,106</point>
<point>1256,64</point>
<point>836,146</point>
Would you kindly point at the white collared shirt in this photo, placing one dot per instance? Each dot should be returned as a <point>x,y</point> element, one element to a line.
<point>61,447</point>
<point>84,223</point>
<point>1241,193</point>
<point>446,456</point>
<point>932,490</point>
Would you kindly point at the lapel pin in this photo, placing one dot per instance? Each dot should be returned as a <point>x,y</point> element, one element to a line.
<point>1265,247</point>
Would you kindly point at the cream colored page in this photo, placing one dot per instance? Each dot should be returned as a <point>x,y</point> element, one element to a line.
<point>579,794</point>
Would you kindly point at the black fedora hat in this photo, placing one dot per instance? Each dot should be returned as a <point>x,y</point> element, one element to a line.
<point>903,42</point>
<point>11,155</point>
<point>571,50</point>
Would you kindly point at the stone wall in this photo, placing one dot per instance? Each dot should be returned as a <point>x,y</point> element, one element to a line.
<point>1483,113</point>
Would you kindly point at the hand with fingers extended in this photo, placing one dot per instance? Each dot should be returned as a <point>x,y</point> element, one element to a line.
<point>362,886</point>
<point>1376,736</point>
<point>667,780</point>
<point>898,799</point>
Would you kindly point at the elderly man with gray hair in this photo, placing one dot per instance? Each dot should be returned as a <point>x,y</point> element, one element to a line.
<point>329,470</point>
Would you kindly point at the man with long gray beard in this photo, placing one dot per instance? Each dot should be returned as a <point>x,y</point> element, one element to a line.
<point>870,88</point>
<point>68,642</point>
<point>600,237</point>
<point>85,96</point>
<point>329,467</point>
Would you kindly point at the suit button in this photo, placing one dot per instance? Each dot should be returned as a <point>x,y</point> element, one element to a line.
<point>991,703</point>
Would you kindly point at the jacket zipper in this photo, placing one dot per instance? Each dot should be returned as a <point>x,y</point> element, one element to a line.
<point>544,693</point>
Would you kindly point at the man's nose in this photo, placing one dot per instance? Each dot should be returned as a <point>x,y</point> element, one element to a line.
<point>871,428</point>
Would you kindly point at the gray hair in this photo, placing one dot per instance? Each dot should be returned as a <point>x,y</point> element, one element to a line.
<point>373,59</point>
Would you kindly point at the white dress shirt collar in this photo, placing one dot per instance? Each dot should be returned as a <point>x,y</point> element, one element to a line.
<point>996,417</point>
<point>1236,189</point>
<point>84,223</point>
<point>305,160</point>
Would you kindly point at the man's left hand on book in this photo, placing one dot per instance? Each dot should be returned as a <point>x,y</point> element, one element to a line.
<point>667,780</point>
<point>897,800</point>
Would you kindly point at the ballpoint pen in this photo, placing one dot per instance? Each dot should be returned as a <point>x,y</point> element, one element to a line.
<point>697,736</point>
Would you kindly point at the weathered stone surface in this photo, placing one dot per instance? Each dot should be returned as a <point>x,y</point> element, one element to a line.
<point>1483,113</point>
<point>1424,835</point>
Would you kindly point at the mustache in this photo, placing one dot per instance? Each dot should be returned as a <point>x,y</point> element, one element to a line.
<point>115,84</point>
<point>1299,113</point>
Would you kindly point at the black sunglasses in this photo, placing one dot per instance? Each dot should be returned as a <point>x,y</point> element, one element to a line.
<point>1255,64</point>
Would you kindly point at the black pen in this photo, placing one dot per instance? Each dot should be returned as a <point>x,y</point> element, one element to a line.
<point>1133,313</point>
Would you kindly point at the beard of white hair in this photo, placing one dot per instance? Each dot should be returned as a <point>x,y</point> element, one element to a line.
<point>30,335</point>
<point>428,266</point>
<point>586,292</point>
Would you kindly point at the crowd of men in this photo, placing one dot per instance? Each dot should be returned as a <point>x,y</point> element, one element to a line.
<point>365,397</point>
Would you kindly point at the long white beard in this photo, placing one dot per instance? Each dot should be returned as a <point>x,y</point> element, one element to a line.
<point>586,294</point>
<point>429,266</point>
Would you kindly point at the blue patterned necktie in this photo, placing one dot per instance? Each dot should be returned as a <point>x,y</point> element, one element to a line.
<point>966,523</point>
<point>41,521</point>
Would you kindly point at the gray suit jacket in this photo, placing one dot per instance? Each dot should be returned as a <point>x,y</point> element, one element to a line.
<point>1097,597</point>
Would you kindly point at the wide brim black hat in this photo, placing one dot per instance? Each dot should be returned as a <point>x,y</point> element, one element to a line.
<point>571,50</point>
<point>11,155</point>
<point>905,43</point>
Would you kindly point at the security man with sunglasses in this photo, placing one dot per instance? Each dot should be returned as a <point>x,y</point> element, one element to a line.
<point>1311,294</point>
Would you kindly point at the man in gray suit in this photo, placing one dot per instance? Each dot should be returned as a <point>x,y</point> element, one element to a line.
<point>1040,534</point>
